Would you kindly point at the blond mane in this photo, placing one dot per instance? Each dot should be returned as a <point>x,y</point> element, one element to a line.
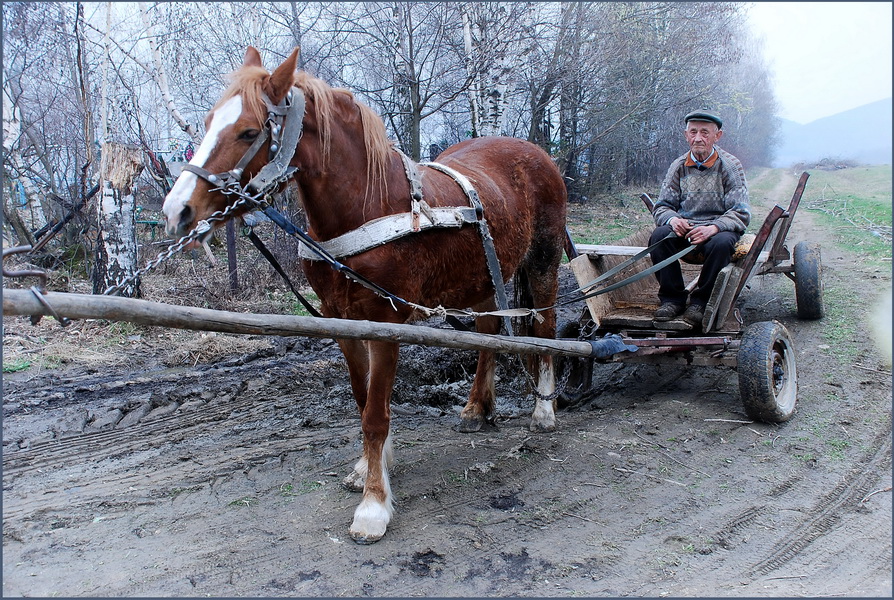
<point>250,82</point>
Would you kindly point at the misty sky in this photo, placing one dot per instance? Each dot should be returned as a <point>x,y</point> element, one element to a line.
<point>827,57</point>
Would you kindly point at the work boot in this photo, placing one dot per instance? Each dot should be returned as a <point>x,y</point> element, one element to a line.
<point>667,311</point>
<point>694,315</point>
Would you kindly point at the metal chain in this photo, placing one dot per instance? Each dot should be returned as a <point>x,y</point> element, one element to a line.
<point>201,228</point>
<point>561,383</point>
<point>258,201</point>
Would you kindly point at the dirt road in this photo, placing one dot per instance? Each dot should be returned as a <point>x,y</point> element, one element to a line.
<point>137,479</point>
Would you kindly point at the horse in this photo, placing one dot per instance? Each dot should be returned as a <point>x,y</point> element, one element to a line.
<point>349,173</point>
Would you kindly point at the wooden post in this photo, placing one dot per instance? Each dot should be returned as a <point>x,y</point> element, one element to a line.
<point>231,256</point>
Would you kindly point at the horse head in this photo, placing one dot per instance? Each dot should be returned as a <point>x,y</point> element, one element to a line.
<point>242,134</point>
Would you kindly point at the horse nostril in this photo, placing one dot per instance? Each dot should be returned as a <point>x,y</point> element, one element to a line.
<point>186,216</point>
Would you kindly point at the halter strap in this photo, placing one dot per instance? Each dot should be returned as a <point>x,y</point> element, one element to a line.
<point>282,148</point>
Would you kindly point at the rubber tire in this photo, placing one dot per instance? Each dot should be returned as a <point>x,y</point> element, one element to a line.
<point>580,379</point>
<point>768,378</point>
<point>808,281</point>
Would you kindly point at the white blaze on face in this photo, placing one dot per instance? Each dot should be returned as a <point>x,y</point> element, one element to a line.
<point>183,188</point>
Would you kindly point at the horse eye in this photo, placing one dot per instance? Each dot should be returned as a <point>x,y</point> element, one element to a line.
<point>249,135</point>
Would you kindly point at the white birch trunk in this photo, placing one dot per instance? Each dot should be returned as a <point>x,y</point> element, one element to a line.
<point>161,80</point>
<point>32,213</point>
<point>473,88</point>
<point>489,84</point>
<point>116,254</point>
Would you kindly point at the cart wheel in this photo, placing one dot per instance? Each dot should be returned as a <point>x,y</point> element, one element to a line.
<point>808,281</point>
<point>768,379</point>
<point>577,386</point>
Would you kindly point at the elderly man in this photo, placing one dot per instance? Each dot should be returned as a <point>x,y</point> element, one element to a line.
<point>704,201</point>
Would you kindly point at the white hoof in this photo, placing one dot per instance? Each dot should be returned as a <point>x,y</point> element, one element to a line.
<point>370,522</point>
<point>544,417</point>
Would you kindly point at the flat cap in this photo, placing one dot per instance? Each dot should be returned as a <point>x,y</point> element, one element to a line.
<point>703,115</point>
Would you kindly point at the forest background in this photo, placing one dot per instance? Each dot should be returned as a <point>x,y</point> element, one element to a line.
<point>601,86</point>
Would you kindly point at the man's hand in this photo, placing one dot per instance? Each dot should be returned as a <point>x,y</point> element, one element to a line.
<point>702,233</point>
<point>680,226</point>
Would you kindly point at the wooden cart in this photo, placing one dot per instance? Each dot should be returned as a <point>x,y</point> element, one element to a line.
<point>763,353</point>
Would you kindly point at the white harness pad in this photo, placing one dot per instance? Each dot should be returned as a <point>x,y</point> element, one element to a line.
<point>386,229</point>
<point>392,227</point>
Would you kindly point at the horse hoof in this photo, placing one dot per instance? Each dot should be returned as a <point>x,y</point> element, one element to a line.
<point>370,522</point>
<point>353,482</point>
<point>365,540</point>
<point>470,424</point>
<point>542,427</point>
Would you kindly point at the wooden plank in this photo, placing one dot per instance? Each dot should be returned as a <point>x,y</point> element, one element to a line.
<point>730,295</point>
<point>609,250</point>
<point>584,272</point>
<point>143,312</point>
<point>720,286</point>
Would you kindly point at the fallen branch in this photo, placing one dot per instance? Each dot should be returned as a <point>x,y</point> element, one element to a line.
<point>568,514</point>
<point>871,494</point>
<point>669,457</point>
<point>871,369</point>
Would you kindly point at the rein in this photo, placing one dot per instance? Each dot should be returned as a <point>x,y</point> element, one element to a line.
<point>283,127</point>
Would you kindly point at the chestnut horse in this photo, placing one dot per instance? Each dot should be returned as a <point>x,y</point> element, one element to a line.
<point>348,173</point>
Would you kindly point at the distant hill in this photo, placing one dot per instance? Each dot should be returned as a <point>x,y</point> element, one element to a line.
<point>861,134</point>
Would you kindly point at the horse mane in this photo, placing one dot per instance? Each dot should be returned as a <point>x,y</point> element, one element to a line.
<point>249,81</point>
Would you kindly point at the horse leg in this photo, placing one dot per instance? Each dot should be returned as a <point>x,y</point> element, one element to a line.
<point>356,354</point>
<point>480,406</point>
<point>543,286</point>
<point>375,510</point>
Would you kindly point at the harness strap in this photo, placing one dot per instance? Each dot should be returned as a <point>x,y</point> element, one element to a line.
<point>621,266</point>
<point>290,228</point>
<point>628,280</point>
<point>417,204</point>
<point>278,168</point>
<point>490,253</point>
<point>275,263</point>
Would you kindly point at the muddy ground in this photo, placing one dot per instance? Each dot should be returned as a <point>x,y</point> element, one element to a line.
<point>159,473</point>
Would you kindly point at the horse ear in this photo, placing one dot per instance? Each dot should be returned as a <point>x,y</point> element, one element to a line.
<point>252,57</point>
<point>284,77</point>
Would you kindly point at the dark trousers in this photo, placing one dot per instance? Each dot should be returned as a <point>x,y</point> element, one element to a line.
<point>717,252</point>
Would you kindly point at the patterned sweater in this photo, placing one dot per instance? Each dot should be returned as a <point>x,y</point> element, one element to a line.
<point>717,195</point>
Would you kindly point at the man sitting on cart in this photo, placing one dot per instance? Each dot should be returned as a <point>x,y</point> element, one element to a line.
<point>704,201</point>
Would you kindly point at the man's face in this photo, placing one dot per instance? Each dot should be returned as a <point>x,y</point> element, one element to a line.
<point>702,135</point>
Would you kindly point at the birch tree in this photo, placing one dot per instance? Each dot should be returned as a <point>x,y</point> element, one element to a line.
<point>495,42</point>
<point>116,245</point>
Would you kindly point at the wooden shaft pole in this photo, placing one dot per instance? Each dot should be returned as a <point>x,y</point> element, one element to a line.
<point>143,312</point>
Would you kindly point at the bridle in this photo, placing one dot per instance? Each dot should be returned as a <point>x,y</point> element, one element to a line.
<point>284,140</point>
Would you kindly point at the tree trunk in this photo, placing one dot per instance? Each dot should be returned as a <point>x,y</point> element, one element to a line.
<point>470,70</point>
<point>161,80</point>
<point>116,248</point>
<point>14,220</point>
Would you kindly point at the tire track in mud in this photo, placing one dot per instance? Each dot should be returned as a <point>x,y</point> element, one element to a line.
<point>817,521</point>
<point>140,448</point>
<point>828,511</point>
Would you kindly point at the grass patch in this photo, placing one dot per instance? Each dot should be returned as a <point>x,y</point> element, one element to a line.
<point>605,220</point>
<point>16,364</point>
<point>246,501</point>
<point>289,490</point>
<point>844,312</point>
<point>177,491</point>
<point>285,301</point>
<point>855,205</point>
